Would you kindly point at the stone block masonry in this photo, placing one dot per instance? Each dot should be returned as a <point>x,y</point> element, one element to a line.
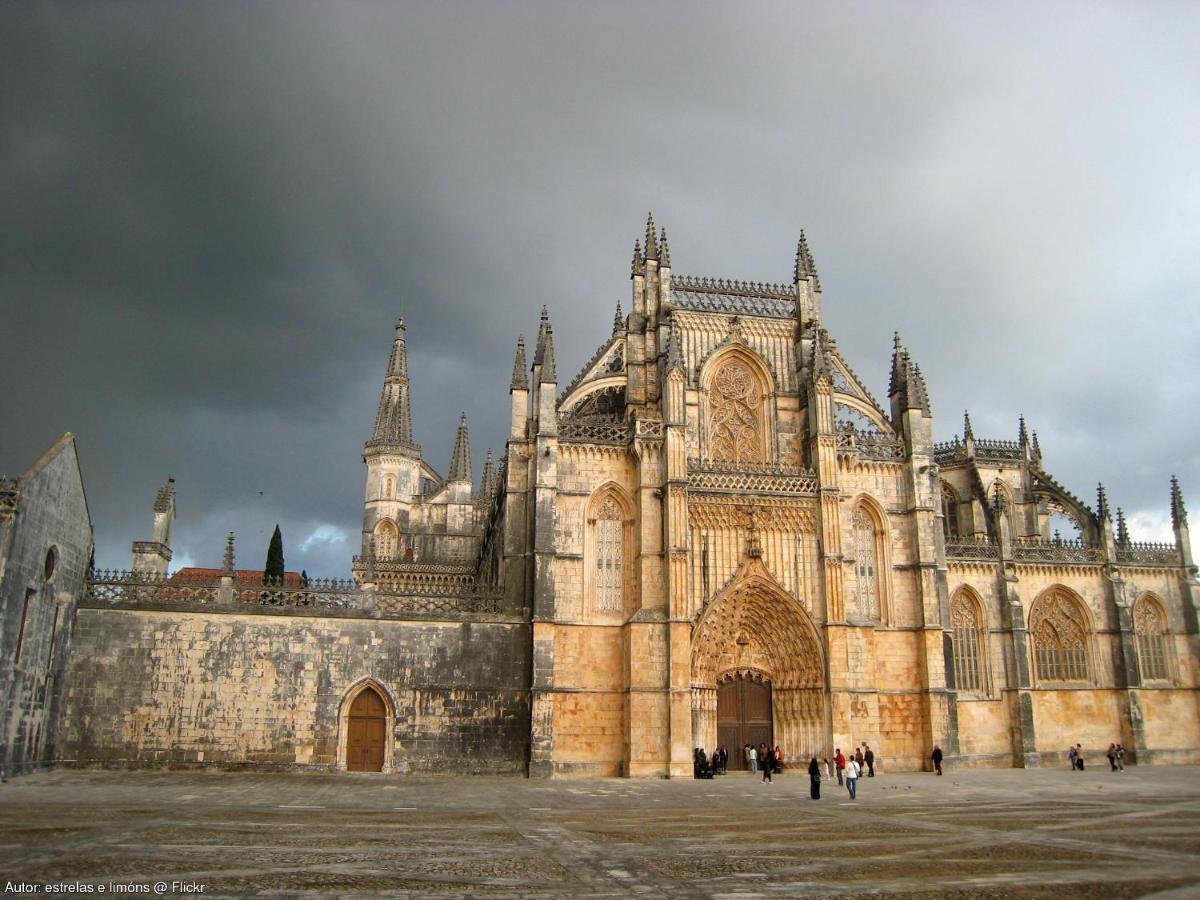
<point>155,687</point>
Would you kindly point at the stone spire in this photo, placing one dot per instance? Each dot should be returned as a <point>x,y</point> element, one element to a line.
<point>227,568</point>
<point>618,320</point>
<point>664,250</point>
<point>800,270</point>
<point>810,264</point>
<point>489,476</point>
<point>539,351</point>
<point>897,380</point>
<point>821,364</point>
<point>1022,432</point>
<point>968,432</point>
<point>1037,448</point>
<point>651,240</point>
<point>393,422</point>
<point>1178,512</point>
<point>1102,503</point>
<point>639,262</point>
<point>460,461</point>
<point>520,380</point>
<point>549,375</point>
<point>1122,529</point>
<point>920,396</point>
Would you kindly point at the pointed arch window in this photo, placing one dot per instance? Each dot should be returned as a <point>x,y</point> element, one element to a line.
<point>866,563</point>
<point>385,540</point>
<point>610,557</point>
<point>950,514</point>
<point>968,643</point>
<point>735,414</point>
<point>1059,630</point>
<point>1149,629</point>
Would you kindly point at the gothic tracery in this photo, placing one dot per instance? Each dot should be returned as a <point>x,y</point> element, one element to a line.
<point>1149,635</point>
<point>1059,630</point>
<point>735,427</point>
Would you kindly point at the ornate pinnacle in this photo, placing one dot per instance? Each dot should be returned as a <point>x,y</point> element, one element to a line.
<point>651,241</point>
<point>638,267</point>
<point>897,381</point>
<point>800,270</point>
<point>1037,448</point>
<point>968,433</point>
<point>228,567</point>
<point>460,461</point>
<point>1122,529</point>
<point>1102,503</point>
<point>1178,511</point>
<point>664,250</point>
<point>393,422</point>
<point>618,320</point>
<point>485,484</point>
<point>810,264</point>
<point>920,396</point>
<point>539,351</point>
<point>520,381</point>
<point>549,376</point>
<point>1022,433</point>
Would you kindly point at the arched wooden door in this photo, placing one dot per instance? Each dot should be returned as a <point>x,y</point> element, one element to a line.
<point>366,733</point>
<point>743,716</point>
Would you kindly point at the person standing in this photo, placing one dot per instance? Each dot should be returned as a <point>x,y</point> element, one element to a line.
<point>752,754</point>
<point>778,757</point>
<point>825,776</point>
<point>766,764</point>
<point>814,779</point>
<point>1112,757</point>
<point>852,771</point>
<point>1079,757</point>
<point>1073,758</point>
<point>839,763</point>
<point>1120,758</point>
<point>860,759</point>
<point>937,758</point>
<point>869,756</point>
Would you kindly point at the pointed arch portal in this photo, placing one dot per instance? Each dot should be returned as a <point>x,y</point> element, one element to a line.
<point>757,667</point>
<point>366,732</point>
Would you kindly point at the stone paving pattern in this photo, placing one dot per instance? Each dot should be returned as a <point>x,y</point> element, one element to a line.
<point>1046,833</point>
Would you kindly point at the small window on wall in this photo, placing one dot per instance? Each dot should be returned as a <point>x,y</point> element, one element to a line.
<point>1150,637</point>
<point>51,564</point>
<point>389,488</point>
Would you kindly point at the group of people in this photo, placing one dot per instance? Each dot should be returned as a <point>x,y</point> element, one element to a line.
<point>860,763</point>
<point>704,766</point>
<point>1116,758</point>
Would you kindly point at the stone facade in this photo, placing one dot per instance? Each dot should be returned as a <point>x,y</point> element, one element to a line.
<point>45,546</point>
<point>715,509</point>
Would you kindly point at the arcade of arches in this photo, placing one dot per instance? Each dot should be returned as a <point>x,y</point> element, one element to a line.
<point>757,670</point>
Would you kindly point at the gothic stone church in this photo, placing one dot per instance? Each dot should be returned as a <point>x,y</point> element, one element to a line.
<point>713,534</point>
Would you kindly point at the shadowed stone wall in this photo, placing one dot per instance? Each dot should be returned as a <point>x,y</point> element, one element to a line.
<point>269,690</point>
<point>45,544</point>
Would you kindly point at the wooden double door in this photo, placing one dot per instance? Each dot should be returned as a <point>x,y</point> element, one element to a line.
<point>367,733</point>
<point>743,716</point>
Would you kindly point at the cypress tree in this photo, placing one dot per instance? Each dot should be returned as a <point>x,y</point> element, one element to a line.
<point>274,570</point>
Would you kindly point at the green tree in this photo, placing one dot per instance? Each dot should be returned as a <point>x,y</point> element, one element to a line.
<point>274,570</point>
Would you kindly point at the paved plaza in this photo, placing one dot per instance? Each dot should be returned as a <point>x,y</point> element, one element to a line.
<point>1046,833</point>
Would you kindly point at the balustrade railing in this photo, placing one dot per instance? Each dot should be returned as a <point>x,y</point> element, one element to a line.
<point>970,550</point>
<point>1036,550</point>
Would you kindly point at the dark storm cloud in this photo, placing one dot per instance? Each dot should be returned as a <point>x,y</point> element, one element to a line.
<point>211,214</point>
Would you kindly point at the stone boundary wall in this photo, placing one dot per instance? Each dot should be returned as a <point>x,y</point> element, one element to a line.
<point>270,688</point>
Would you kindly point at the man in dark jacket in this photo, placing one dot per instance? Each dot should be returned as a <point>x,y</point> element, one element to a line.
<point>869,757</point>
<point>937,758</point>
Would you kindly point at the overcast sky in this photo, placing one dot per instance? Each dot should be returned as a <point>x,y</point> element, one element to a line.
<point>212,214</point>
